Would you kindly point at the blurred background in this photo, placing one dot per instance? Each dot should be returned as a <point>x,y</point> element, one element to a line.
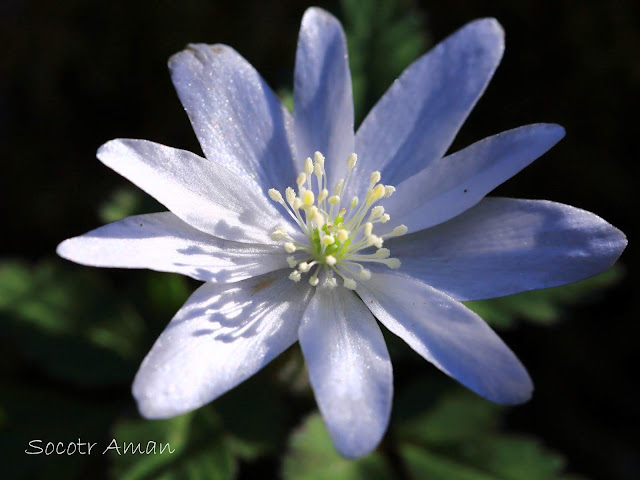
<point>74,74</point>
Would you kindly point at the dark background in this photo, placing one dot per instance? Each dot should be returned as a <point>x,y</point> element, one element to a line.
<point>74,74</point>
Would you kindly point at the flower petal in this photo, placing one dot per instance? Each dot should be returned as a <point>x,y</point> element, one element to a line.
<point>219,338</point>
<point>416,120</point>
<point>204,194</point>
<point>163,242</point>
<point>449,335</point>
<point>323,103</point>
<point>448,186</point>
<point>349,368</point>
<point>238,120</point>
<point>503,246</point>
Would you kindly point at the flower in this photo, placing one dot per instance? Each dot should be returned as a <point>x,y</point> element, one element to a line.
<point>286,218</point>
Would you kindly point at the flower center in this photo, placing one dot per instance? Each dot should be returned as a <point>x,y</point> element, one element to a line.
<point>339,239</point>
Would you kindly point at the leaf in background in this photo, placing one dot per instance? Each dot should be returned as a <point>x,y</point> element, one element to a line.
<point>384,37</point>
<point>312,456</point>
<point>457,438</point>
<point>194,444</point>
<point>544,306</point>
<point>70,323</point>
<point>125,202</point>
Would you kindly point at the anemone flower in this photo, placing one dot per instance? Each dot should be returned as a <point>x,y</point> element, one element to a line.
<point>289,225</point>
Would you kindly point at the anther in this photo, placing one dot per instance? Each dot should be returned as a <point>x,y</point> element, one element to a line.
<point>295,276</point>
<point>308,166</point>
<point>318,158</point>
<point>350,283</point>
<point>275,195</point>
<point>330,260</point>
<point>289,247</point>
<point>351,161</point>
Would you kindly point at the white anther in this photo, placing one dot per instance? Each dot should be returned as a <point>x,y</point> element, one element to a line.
<point>300,180</point>
<point>376,212</point>
<point>375,241</point>
<point>368,228</point>
<point>318,158</point>
<point>382,253</point>
<point>332,282</point>
<point>295,276</point>
<point>339,186</point>
<point>296,204</point>
<point>375,178</point>
<point>308,166</point>
<point>377,193</point>
<point>354,202</point>
<point>324,193</point>
<point>393,263</point>
<point>385,218</point>
<point>312,211</point>
<point>333,199</point>
<point>289,247</point>
<point>304,267</point>
<point>291,260</point>
<point>313,281</point>
<point>365,274</point>
<point>328,239</point>
<point>278,234</point>
<point>318,219</point>
<point>290,194</point>
<point>399,230</point>
<point>317,170</point>
<point>342,235</point>
<point>308,198</point>
<point>351,161</point>
<point>388,190</point>
<point>275,195</point>
<point>350,283</point>
<point>330,260</point>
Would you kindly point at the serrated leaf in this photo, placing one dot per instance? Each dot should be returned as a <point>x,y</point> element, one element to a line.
<point>456,417</point>
<point>455,437</point>
<point>544,306</point>
<point>312,456</point>
<point>69,323</point>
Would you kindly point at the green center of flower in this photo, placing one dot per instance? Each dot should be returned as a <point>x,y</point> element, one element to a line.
<point>337,236</point>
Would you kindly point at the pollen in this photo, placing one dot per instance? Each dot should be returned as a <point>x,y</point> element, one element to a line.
<point>338,240</point>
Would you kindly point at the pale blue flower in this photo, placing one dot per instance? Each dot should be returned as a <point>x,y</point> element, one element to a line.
<point>275,259</point>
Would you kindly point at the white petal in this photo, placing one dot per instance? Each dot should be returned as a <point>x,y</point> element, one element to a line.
<point>323,103</point>
<point>163,242</point>
<point>202,193</point>
<point>238,120</point>
<point>449,335</point>
<point>503,246</point>
<point>448,186</point>
<point>349,368</point>
<point>219,338</point>
<point>416,120</point>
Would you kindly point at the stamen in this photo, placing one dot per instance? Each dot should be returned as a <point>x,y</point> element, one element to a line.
<point>334,242</point>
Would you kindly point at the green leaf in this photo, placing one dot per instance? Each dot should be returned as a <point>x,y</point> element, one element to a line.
<point>384,37</point>
<point>312,456</point>
<point>125,202</point>
<point>457,416</point>
<point>193,447</point>
<point>454,437</point>
<point>544,306</point>
<point>70,323</point>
